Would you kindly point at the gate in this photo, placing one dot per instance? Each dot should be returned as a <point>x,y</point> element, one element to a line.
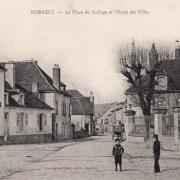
<point>168,125</point>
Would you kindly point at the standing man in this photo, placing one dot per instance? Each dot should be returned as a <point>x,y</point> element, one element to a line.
<point>156,151</point>
<point>117,152</point>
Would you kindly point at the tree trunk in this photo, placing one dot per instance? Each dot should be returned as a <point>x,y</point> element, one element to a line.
<point>147,127</point>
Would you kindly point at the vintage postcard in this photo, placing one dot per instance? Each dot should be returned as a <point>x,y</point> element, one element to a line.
<point>89,89</point>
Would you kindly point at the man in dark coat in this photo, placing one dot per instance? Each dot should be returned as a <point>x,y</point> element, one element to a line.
<point>117,152</point>
<point>156,151</point>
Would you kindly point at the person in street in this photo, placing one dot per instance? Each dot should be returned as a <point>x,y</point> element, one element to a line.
<point>156,151</point>
<point>117,152</point>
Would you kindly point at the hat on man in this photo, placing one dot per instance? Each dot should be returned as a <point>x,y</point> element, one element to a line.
<point>155,136</point>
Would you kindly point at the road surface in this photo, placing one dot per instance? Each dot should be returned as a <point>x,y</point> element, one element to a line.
<point>88,159</point>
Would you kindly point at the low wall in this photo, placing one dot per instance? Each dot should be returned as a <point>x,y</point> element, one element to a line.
<point>167,143</point>
<point>135,138</point>
<point>28,139</point>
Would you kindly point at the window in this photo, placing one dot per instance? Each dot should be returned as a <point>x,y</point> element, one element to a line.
<point>6,98</point>
<point>41,122</point>
<point>161,83</point>
<point>21,99</point>
<point>63,108</point>
<point>19,120</point>
<point>6,115</point>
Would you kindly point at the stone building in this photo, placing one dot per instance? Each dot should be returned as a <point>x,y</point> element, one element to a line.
<point>166,99</point>
<point>82,111</point>
<point>112,116</point>
<point>24,117</point>
<point>50,91</point>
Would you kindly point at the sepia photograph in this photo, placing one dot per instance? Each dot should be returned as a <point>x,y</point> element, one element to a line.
<point>89,90</point>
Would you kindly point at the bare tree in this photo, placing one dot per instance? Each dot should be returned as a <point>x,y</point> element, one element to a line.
<point>139,69</point>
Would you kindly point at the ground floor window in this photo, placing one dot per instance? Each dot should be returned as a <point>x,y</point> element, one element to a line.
<point>41,122</point>
<point>21,121</point>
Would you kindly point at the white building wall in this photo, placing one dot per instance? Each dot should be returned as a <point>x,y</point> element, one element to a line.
<point>63,122</point>
<point>79,121</point>
<point>2,76</point>
<point>32,126</point>
<point>49,98</point>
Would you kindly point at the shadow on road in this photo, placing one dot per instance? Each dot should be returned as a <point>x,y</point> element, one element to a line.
<point>130,170</point>
<point>171,169</point>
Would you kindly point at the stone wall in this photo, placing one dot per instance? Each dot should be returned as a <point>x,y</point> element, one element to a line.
<point>28,139</point>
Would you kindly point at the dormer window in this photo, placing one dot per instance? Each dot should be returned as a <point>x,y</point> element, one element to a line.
<point>6,98</point>
<point>21,99</point>
<point>161,83</point>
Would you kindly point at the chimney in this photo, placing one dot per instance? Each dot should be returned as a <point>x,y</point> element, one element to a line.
<point>10,73</point>
<point>177,50</point>
<point>91,96</point>
<point>56,76</point>
<point>153,56</point>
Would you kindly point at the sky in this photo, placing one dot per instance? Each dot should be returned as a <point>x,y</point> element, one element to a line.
<point>85,45</point>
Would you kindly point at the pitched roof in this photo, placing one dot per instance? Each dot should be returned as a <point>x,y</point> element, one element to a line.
<point>7,86</point>
<point>102,108</point>
<point>30,101</point>
<point>49,79</point>
<point>82,106</point>
<point>27,72</point>
<point>74,93</point>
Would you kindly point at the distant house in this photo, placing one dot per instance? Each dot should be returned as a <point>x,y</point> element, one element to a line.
<point>82,111</point>
<point>29,76</point>
<point>113,115</point>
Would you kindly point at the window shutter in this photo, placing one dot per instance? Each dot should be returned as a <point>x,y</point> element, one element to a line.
<point>17,122</point>
<point>69,110</point>
<point>37,122</point>
<point>21,123</point>
<point>26,119</point>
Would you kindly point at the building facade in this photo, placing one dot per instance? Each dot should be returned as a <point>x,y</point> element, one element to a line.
<point>55,121</point>
<point>83,112</point>
<point>166,99</point>
<point>24,118</point>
